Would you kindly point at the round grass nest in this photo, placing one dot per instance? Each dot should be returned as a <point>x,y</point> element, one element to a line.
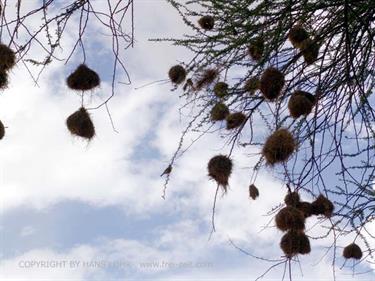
<point>83,79</point>
<point>290,218</point>
<point>2,130</point>
<point>256,48</point>
<point>3,79</point>
<point>310,51</point>
<point>271,83</point>
<point>253,192</point>
<point>219,112</point>
<point>322,206</point>
<point>80,124</point>
<point>206,78</point>
<point>220,168</point>
<point>305,208</point>
<point>221,89</point>
<point>207,22</point>
<point>352,251</point>
<point>177,74</point>
<point>300,103</point>
<point>294,243</point>
<point>235,120</point>
<point>297,35</point>
<point>7,57</point>
<point>292,199</point>
<point>279,147</point>
<point>251,85</point>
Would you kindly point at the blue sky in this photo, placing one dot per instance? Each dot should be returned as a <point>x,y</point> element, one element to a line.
<point>64,200</point>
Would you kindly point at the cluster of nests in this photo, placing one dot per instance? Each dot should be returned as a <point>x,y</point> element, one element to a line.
<point>300,39</point>
<point>79,123</point>
<point>7,62</point>
<point>291,219</point>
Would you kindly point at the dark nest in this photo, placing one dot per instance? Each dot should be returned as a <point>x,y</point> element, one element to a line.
<point>3,79</point>
<point>292,199</point>
<point>290,218</point>
<point>177,74</point>
<point>7,57</point>
<point>271,83</point>
<point>220,168</point>
<point>221,89</point>
<point>251,85</point>
<point>83,79</point>
<point>279,147</point>
<point>206,78</point>
<point>322,206</point>
<point>294,243</point>
<point>300,103</point>
<point>2,130</point>
<point>253,192</point>
<point>256,48</point>
<point>352,251</point>
<point>206,22</point>
<point>219,112</point>
<point>80,124</point>
<point>235,120</point>
<point>305,208</point>
<point>297,35</point>
<point>310,51</point>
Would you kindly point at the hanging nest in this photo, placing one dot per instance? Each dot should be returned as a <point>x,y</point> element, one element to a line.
<point>221,89</point>
<point>256,48</point>
<point>83,79</point>
<point>253,192</point>
<point>294,243</point>
<point>290,218</point>
<point>322,206</point>
<point>80,124</point>
<point>297,35</point>
<point>300,103</point>
<point>2,130</point>
<point>251,85</point>
<point>177,74</point>
<point>292,199</point>
<point>235,120</point>
<point>279,147</point>
<point>220,168</point>
<point>352,251</point>
<point>271,83</point>
<point>305,208</point>
<point>206,22</point>
<point>219,112</point>
<point>7,58</point>
<point>206,78</point>
<point>3,79</point>
<point>310,51</point>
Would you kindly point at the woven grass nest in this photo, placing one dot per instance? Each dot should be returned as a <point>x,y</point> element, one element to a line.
<point>310,51</point>
<point>7,58</point>
<point>294,243</point>
<point>297,35</point>
<point>206,22</point>
<point>83,79</point>
<point>279,147</point>
<point>3,79</point>
<point>221,89</point>
<point>352,251</point>
<point>301,103</point>
<point>290,218</point>
<point>235,120</point>
<point>251,85</point>
<point>305,208</point>
<point>2,130</point>
<point>256,48</point>
<point>322,206</point>
<point>177,74</point>
<point>220,168</point>
<point>80,124</point>
<point>271,83</point>
<point>219,112</point>
<point>292,199</point>
<point>253,192</point>
<point>206,78</point>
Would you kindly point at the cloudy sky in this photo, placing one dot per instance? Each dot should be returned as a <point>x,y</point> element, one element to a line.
<point>77,211</point>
